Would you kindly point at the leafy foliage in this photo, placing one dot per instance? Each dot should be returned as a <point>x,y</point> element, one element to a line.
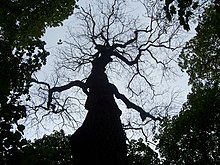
<point>192,137</point>
<point>141,154</point>
<point>200,57</point>
<point>22,52</point>
<point>55,149</point>
<point>185,10</point>
<point>51,149</point>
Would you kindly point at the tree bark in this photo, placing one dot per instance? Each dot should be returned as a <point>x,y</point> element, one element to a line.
<point>101,139</point>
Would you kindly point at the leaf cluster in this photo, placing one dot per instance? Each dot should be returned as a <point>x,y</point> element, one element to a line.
<point>55,149</point>
<point>183,8</point>
<point>192,137</point>
<point>51,149</point>
<point>201,55</point>
<point>22,52</point>
<point>141,154</point>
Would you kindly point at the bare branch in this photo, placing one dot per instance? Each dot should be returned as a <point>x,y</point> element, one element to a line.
<point>77,83</point>
<point>124,59</point>
<point>117,45</point>
<point>66,87</point>
<point>40,82</point>
<point>129,104</point>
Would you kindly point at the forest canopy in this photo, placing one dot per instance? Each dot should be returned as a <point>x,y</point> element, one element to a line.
<point>119,63</point>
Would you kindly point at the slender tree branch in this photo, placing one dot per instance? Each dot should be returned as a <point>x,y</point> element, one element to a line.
<point>66,87</point>
<point>126,43</point>
<point>129,104</point>
<point>70,85</point>
<point>60,89</point>
<point>124,59</point>
<point>40,82</point>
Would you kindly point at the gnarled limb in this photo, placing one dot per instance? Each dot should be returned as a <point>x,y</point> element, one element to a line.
<point>129,104</point>
<point>125,60</point>
<point>132,40</point>
<point>77,83</point>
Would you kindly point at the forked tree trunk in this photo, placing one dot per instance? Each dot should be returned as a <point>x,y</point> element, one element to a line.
<point>101,139</point>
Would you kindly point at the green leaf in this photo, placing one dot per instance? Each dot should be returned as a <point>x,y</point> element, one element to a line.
<point>21,127</point>
<point>172,10</point>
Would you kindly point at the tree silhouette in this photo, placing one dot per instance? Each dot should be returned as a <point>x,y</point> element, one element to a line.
<point>111,37</point>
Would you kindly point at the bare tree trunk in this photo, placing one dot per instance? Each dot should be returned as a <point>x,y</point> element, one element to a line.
<point>101,139</point>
